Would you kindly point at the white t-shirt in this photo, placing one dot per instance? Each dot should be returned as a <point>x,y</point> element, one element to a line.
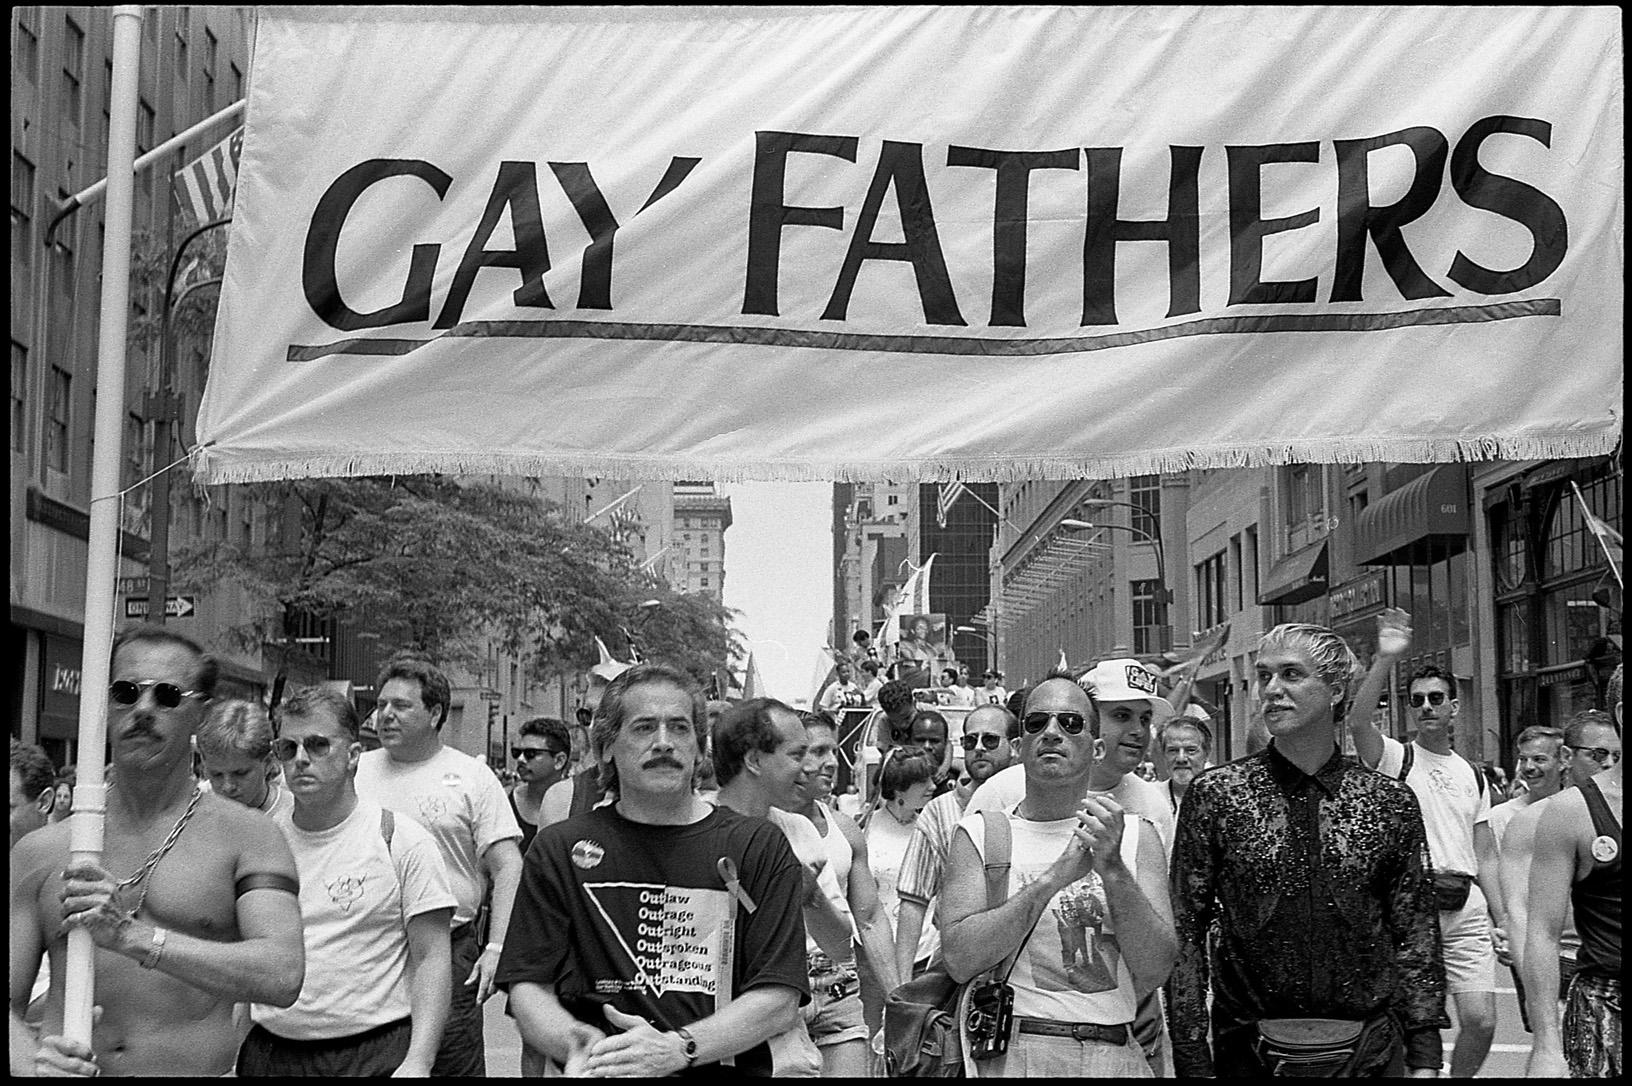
<point>1071,967</point>
<point>808,848</point>
<point>887,842</point>
<point>458,799</point>
<point>995,696</point>
<point>841,696</point>
<point>1498,818</point>
<point>1148,799</point>
<point>356,899</point>
<point>1447,788</point>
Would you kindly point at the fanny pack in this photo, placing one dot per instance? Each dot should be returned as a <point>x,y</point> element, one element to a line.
<point>1451,890</point>
<point>1325,1047</point>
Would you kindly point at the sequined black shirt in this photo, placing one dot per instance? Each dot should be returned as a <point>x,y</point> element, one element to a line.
<point>1346,937</point>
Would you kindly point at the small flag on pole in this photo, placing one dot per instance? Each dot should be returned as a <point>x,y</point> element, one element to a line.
<point>1608,538</point>
<point>1063,665</point>
<point>950,493</point>
<point>204,187</point>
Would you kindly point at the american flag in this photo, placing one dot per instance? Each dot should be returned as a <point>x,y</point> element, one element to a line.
<point>950,492</point>
<point>205,185</point>
<point>1608,538</point>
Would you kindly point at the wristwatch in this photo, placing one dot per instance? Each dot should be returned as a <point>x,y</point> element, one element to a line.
<point>688,1046</point>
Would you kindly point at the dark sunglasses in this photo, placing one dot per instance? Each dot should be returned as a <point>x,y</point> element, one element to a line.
<point>529,753</point>
<point>316,746</point>
<point>1434,697</point>
<point>169,695</point>
<point>1599,754</point>
<point>1070,723</point>
<point>985,739</point>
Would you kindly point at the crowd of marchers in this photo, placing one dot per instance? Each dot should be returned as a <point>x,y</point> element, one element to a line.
<point>673,885</point>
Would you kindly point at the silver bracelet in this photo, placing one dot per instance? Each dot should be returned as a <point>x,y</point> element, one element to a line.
<point>154,952</point>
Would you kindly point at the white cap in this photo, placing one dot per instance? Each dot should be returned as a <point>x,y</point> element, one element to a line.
<point>1127,680</point>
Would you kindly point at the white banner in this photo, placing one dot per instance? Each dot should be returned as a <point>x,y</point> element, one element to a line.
<point>984,243</point>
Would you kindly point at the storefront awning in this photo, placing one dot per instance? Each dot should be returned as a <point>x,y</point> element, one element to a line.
<point>1297,578</point>
<point>1433,504</point>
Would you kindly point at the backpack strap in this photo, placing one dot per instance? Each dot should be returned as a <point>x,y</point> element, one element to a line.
<point>388,825</point>
<point>1410,758</point>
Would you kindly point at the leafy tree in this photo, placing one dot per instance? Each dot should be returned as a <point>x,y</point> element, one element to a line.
<point>691,631</point>
<point>438,565</point>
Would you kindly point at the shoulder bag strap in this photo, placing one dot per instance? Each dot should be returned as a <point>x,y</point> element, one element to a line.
<point>1406,760</point>
<point>999,847</point>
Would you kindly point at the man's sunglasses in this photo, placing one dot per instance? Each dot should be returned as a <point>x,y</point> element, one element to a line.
<point>169,695</point>
<point>529,753</point>
<point>1599,754</point>
<point>1070,723</point>
<point>316,746</point>
<point>985,739</point>
<point>1433,697</point>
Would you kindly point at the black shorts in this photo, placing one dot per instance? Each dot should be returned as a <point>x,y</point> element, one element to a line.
<point>372,1053</point>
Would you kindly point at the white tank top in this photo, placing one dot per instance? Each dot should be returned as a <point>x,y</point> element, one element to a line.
<point>840,856</point>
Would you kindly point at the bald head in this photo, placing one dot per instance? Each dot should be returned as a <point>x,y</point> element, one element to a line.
<point>1060,694</point>
<point>992,718</point>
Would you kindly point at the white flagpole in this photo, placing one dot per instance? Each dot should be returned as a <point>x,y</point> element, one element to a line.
<point>90,795</point>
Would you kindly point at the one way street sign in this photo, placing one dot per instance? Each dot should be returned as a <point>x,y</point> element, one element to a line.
<point>174,606</point>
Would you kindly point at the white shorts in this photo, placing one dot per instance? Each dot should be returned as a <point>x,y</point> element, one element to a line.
<point>1470,958</point>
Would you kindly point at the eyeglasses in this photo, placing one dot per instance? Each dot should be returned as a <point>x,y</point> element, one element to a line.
<point>168,695</point>
<point>1433,697</point>
<point>316,746</point>
<point>1599,754</point>
<point>986,739</point>
<point>1070,723</point>
<point>529,753</point>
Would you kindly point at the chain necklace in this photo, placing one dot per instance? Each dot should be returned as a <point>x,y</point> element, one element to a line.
<point>153,858</point>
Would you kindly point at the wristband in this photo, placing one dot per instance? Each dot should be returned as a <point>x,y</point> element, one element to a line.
<point>492,946</point>
<point>154,952</point>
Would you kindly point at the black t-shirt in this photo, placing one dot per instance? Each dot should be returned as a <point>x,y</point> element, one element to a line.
<point>620,912</point>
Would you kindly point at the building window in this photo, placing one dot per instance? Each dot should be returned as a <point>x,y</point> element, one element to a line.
<point>25,46</point>
<point>1211,605</point>
<point>22,210</point>
<point>1302,494</point>
<point>146,124</point>
<point>211,48</point>
<point>1147,617</point>
<point>73,71</point>
<point>237,82</point>
<point>135,434</point>
<point>19,393</point>
<point>56,435</point>
<point>1145,491</point>
<point>1238,574</point>
<point>184,32</point>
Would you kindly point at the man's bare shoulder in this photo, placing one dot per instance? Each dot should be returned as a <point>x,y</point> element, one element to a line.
<point>44,850</point>
<point>252,836</point>
<point>1562,817</point>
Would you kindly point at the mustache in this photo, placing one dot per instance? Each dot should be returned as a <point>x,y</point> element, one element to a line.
<point>140,728</point>
<point>670,762</point>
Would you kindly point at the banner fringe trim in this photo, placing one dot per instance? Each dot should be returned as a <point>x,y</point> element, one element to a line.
<point>211,467</point>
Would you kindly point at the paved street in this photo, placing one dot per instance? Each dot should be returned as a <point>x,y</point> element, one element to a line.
<point>1507,1055</point>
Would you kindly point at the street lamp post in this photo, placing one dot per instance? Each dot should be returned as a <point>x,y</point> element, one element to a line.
<point>991,644</point>
<point>1164,594</point>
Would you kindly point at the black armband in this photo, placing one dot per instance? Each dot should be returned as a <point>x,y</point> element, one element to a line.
<point>266,880</point>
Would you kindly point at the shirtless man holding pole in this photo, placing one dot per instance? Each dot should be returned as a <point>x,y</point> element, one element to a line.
<point>193,909</point>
